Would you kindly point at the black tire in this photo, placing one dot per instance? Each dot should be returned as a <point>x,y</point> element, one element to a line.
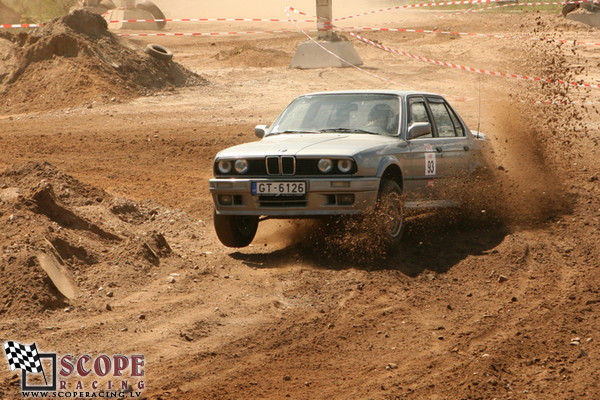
<point>159,52</point>
<point>108,4</point>
<point>235,230</point>
<point>153,9</point>
<point>390,212</point>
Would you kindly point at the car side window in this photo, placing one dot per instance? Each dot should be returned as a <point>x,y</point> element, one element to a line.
<point>460,130</point>
<point>442,119</point>
<point>417,112</point>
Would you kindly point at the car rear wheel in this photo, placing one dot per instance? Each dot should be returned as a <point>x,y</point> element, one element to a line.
<point>390,212</point>
<point>235,230</point>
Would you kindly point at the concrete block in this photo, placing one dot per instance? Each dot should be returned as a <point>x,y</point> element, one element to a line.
<point>588,19</point>
<point>125,14</point>
<point>310,55</point>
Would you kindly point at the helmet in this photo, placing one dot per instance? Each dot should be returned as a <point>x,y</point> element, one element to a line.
<point>381,114</point>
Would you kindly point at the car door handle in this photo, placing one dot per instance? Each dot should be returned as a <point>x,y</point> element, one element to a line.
<point>439,149</point>
<point>466,148</point>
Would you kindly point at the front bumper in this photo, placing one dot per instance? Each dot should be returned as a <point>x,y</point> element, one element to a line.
<point>324,196</point>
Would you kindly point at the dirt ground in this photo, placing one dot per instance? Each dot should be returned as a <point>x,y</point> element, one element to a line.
<point>496,302</point>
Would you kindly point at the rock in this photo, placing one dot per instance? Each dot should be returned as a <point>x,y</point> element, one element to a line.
<point>287,378</point>
<point>575,341</point>
<point>391,366</point>
<point>108,307</point>
<point>142,316</point>
<point>171,279</point>
<point>502,278</point>
<point>110,294</point>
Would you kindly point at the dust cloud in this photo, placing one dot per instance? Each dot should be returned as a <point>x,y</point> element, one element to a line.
<point>522,188</point>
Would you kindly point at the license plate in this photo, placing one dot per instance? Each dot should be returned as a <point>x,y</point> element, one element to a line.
<point>279,188</point>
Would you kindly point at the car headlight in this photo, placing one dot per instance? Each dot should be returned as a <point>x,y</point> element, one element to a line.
<point>224,166</point>
<point>241,166</point>
<point>325,165</point>
<point>344,166</point>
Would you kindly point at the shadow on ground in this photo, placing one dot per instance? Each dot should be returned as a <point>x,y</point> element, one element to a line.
<point>434,241</point>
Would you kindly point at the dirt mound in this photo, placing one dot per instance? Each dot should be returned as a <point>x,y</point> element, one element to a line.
<point>66,236</point>
<point>251,56</point>
<point>74,60</point>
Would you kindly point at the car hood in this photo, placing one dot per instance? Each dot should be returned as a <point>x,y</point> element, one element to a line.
<point>322,144</point>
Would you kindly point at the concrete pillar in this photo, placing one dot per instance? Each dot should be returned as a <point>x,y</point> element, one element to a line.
<point>323,54</point>
<point>324,17</point>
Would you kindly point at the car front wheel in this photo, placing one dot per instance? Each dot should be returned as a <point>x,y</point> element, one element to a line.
<point>235,230</point>
<point>390,212</point>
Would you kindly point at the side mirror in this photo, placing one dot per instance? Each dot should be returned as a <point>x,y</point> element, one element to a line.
<point>419,129</point>
<point>260,131</point>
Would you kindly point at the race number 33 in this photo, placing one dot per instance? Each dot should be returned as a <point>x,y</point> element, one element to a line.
<point>430,164</point>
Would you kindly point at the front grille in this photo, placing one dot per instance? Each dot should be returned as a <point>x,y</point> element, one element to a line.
<point>281,165</point>
<point>282,201</point>
<point>306,166</point>
<point>288,165</point>
<point>284,166</point>
<point>256,167</point>
<point>273,165</point>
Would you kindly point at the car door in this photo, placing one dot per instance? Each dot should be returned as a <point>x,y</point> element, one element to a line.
<point>452,138</point>
<point>424,167</point>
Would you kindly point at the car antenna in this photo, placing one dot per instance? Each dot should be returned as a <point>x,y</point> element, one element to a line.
<point>479,109</point>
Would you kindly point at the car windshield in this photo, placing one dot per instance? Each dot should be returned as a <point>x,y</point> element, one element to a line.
<point>347,113</point>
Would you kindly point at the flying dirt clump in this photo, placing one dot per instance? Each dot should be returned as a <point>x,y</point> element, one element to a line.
<point>75,59</point>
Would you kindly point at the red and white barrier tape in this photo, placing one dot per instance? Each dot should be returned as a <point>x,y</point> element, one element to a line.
<point>204,33</point>
<point>8,26</point>
<point>471,69</point>
<point>553,3</point>
<point>207,20</point>
<point>287,9</point>
<point>448,3</point>
<point>455,98</point>
<point>488,35</point>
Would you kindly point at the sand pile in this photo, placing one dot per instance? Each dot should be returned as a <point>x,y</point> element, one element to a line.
<point>62,240</point>
<point>248,55</point>
<point>74,60</point>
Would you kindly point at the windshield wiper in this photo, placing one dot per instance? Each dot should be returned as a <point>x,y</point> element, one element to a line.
<point>347,130</point>
<point>292,131</point>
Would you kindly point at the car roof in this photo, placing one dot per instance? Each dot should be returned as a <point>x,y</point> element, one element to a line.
<point>401,93</point>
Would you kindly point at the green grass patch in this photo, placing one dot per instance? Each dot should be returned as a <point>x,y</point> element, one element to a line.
<point>34,11</point>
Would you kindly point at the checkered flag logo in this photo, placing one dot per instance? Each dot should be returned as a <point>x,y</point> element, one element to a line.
<point>23,357</point>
